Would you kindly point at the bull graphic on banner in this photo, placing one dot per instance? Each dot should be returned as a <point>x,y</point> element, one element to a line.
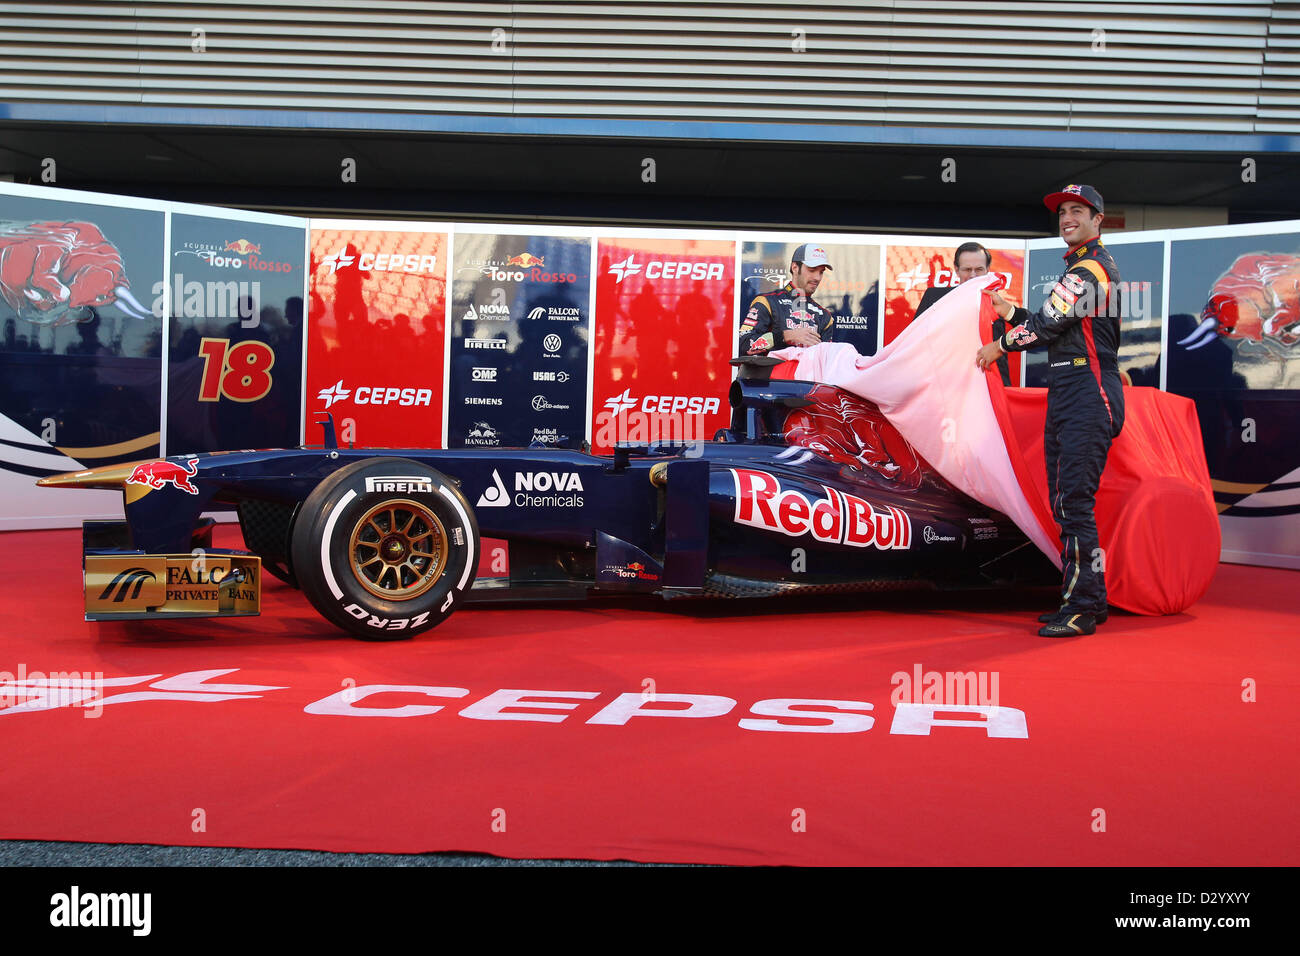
<point>1257,299</point>
<point>54,273</point>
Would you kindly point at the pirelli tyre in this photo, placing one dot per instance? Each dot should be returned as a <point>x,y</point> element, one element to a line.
<point>385,548</point>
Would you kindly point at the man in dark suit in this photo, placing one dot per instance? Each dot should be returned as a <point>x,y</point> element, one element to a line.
<point>970,260</point>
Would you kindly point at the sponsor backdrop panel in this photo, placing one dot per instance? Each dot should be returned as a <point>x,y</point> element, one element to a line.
<point>910,270</point>
<point>80,348</point>
<point>1139,305</point>
<point>376,335</point>
<point>663,339</point>
<point>849,288</point>
<point>234,371</point>
<point>1234,349</point>
<point>519,341</point>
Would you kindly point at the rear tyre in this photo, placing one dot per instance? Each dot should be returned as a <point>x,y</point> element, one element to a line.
<point>385,548</point>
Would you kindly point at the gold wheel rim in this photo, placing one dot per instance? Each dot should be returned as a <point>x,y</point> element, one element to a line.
<point>398,550</point>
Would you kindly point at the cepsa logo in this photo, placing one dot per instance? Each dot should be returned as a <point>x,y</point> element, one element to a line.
<point>839,518</point>
<point>375,395</point>
<point>920,276</point>
<point>37,692</point>
<point>380,262</point>
<point>667,269</point>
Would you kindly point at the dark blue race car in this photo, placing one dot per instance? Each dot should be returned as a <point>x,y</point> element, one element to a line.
<point>810,490</point>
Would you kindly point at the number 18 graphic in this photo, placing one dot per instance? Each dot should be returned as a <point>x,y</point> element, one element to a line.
<point>241,374</point>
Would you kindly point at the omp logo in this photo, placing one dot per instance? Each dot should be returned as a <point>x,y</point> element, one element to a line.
<point>496,496</point>
<point>839,518</point>
<point>913,277</point>
<point>485,374</point>
<point>627,267</point>
<point>124,580</point>
<point>335,393</point>
<point>668,270</point>
<point>381,262</point>
<point>411,485</point>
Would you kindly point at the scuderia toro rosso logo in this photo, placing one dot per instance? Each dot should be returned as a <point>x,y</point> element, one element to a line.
<point>839,518</point>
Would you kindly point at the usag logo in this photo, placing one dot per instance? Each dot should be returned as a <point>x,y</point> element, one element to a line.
<point>407,485</point>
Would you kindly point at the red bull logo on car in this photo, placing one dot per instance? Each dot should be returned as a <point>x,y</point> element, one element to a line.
<point>155,474</point>
<point>839,518</point>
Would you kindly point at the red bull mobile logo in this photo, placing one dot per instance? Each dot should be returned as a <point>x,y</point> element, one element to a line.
<point>155,474</point>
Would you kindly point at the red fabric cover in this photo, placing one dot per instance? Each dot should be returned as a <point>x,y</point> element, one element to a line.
<point>1156,516</point>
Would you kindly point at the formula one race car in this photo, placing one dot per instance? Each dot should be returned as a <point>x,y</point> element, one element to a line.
<point>810,490</point>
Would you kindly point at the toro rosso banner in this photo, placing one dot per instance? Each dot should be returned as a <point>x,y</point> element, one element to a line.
<point>80,344</point>
<point>376,337</point>
<point>664,340</point>
<point>519,341</point>
<point>849,289</point>
<point>234,372</point>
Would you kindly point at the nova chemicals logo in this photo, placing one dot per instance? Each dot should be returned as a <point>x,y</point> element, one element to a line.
<point>496,496</point>
<point>123,582</point>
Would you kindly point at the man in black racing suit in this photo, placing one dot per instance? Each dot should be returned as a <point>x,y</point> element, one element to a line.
<point>1085,398</point>
<point>789,316</point>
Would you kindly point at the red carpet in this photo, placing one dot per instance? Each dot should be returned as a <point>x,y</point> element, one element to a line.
<point>1140,749</point>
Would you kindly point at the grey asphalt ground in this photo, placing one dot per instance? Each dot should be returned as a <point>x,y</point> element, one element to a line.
<point>50,853</point>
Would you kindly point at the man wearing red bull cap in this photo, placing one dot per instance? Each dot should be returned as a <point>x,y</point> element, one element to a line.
<point>1085,399</point>
<point>789,316</point>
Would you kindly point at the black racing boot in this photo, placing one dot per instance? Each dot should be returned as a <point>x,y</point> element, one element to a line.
<point>1069,625</point>
<point>1099,618</point>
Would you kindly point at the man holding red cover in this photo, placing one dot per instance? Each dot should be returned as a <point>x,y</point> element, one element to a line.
<point>1085,400</point>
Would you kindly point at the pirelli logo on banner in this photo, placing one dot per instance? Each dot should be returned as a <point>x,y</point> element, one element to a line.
<point>164,585</point>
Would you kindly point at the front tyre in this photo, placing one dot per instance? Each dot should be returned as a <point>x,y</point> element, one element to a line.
<point>385,548</point>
